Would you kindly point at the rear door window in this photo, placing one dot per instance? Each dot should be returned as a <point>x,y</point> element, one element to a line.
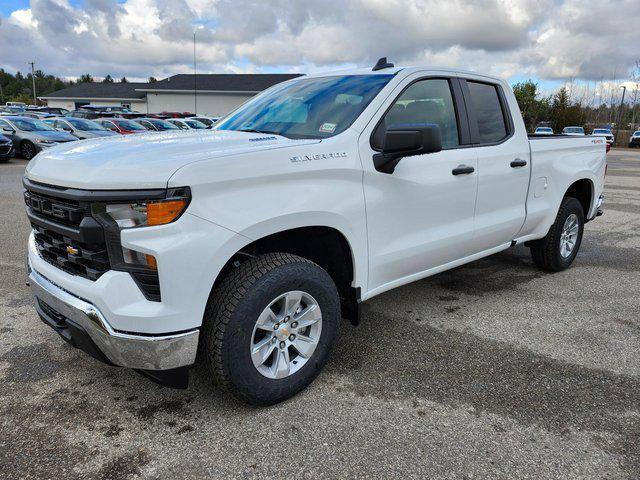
<point>487,106</point>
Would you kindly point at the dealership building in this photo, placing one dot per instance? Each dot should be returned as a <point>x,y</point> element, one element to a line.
<point>204,94</point>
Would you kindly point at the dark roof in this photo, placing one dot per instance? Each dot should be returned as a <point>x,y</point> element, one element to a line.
<point>100,90</point>
<point>245,82</point>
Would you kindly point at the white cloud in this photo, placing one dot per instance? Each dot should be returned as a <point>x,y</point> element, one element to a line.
<point>544,39</point>
<point>23,18</point>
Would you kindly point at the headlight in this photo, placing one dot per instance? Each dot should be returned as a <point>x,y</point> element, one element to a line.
<point>46,142</point>
<point>146,214</point>
<point>116,217</point>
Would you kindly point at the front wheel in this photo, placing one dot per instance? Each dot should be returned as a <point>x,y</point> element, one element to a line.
<point>27,150</point>
<point>269,327</point>
<point>559,248</point>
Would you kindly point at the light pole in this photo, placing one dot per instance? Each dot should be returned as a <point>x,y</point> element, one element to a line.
<point>624,90</point>
<point>33,79</point>
<point>195,77</point>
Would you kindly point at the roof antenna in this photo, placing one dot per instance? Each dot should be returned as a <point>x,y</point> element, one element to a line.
<point>382,63</point>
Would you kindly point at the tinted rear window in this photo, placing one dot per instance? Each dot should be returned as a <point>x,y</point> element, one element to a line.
<point>492,126</point>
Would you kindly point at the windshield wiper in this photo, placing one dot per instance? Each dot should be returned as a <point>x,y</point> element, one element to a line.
<point>267,132</point>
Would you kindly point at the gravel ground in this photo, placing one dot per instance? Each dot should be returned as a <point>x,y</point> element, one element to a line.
<point>491,370</point>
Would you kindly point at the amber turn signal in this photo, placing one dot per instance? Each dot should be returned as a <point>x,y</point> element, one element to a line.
<point>151,262</point>
<point>159,213</point>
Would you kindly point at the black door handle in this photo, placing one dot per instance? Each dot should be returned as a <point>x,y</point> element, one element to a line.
<point>463,170</point>
<point>518,162</point>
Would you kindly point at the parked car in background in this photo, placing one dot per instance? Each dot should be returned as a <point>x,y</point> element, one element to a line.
<point>20,105</point>
<point>6,148</point>
<point>80,127</point>
<point>57,111</point>
<point>123,126</point>
<point>187,124</point>
<point>543,131</point>
<point>109,111</point>
<point>604,132</point>
<point>11,110</point>
<point>156,124</point>
<point>106,108</point>
<point>208,121</point>
<point>88,114</point>
<point>634,140</point>
<point>574,131</point>
<point>30,135</point>
<point>172,115</point>
<point>35,114</point>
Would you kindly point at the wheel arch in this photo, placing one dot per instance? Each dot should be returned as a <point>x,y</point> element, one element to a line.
<point>324,245</point>
<point>583,191</point>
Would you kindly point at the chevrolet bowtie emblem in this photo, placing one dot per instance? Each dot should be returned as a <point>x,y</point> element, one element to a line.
<point>71,250</point>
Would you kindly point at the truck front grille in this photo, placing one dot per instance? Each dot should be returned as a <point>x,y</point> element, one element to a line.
<point>67,236</point>
<point>65,212</point>
<point>77,258</point>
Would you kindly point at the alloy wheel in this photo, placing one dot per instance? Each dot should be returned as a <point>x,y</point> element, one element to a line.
<point>286,334</point>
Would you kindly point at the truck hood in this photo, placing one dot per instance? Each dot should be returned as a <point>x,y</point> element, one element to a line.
<point>142,161</point>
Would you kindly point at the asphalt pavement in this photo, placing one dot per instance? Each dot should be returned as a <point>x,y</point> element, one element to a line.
<point>491,370</point>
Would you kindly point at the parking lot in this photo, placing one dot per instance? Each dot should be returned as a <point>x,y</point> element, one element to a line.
<point>491,370</point>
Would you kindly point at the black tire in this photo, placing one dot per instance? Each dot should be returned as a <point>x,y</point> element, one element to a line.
<point>546,251</point>
<point>231,314</point>
<point>27,150</point>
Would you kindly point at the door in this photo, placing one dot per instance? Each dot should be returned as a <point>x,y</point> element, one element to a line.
<point>503,165</point>
<point>63,127</point>
<point>10,132</point>
<point>420,216</point>
<point>110,125</point>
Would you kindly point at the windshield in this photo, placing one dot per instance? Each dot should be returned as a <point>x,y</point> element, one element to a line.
<point>543,129</point>
<point>195,124</point>
<point>602,131</point>
<point>307,108</point>
<point>574,130</point>
<point>207,121</point>
<point>84,125</point>
<point>162,125</point>
<point>129,125</point>
<point>31,125</point>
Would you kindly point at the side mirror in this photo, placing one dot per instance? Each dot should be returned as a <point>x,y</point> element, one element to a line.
<point>406,140</point>
<point>8,129</point>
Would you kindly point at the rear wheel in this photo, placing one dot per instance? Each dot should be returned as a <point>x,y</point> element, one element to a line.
<point>27,150</point>
<point>269,327</point>
<point>559,248</point>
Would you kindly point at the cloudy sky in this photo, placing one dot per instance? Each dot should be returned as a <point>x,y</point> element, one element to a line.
<point>551,41</point>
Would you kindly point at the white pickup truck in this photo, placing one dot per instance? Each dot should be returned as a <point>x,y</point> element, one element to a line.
<point>248,243</point>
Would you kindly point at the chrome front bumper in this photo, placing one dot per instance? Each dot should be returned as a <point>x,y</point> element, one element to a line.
<point>144,352</point>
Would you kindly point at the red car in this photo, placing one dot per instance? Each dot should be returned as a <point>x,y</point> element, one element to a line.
<point>122,126</point>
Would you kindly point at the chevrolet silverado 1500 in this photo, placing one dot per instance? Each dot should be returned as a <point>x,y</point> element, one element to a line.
<point>248,243</point>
